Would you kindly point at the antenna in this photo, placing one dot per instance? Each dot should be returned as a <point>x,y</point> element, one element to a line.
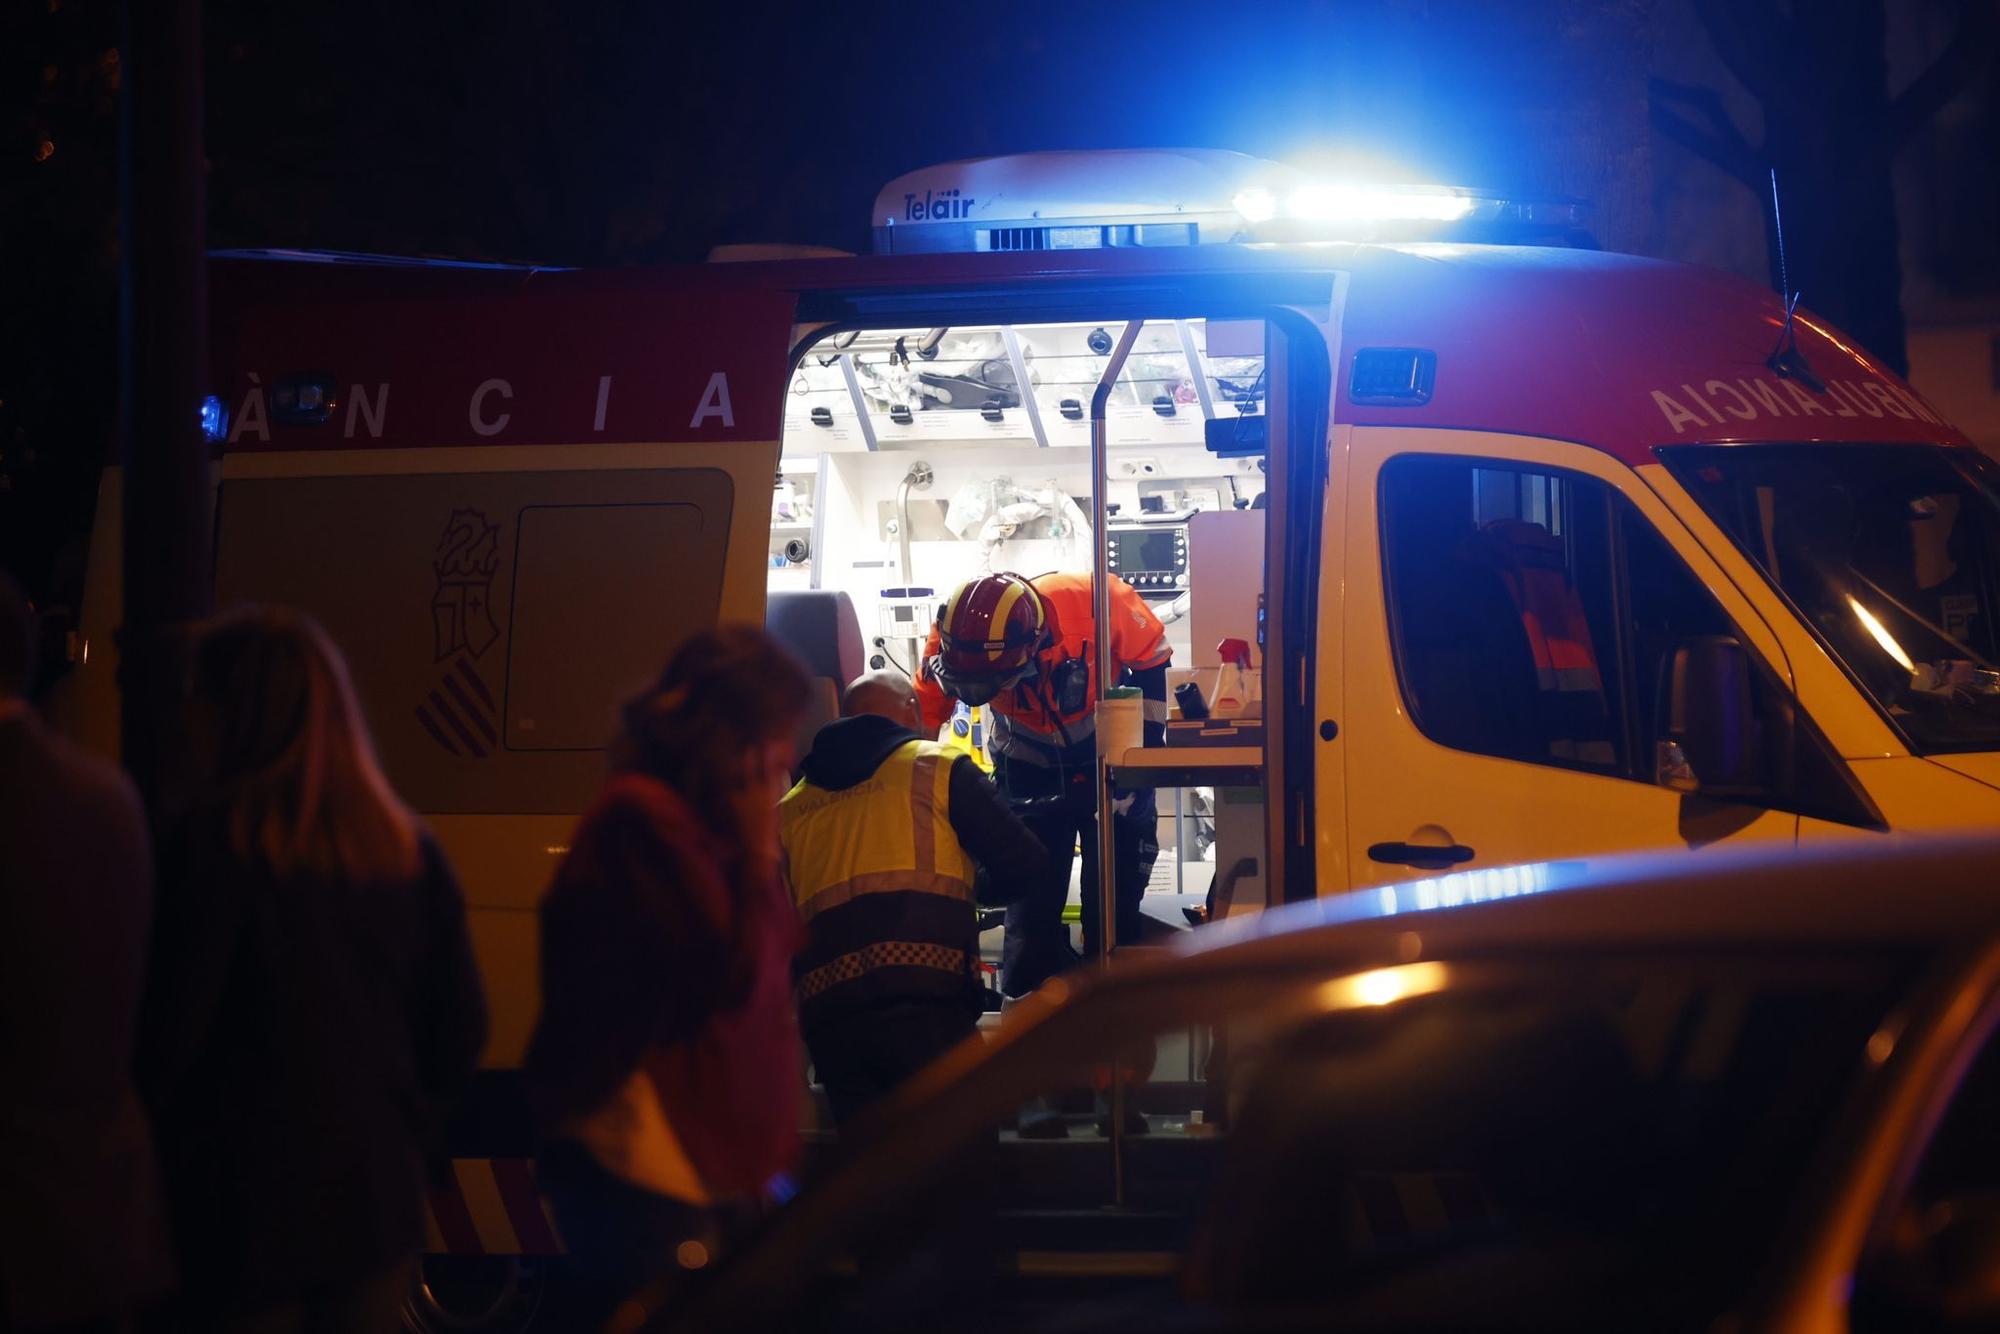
<point>1778,225</point>
<point>1785,358</point>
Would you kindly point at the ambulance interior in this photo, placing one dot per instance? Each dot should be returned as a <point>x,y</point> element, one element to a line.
<point>914,459</point>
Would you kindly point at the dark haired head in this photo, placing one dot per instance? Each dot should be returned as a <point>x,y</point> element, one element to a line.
<point>17,638</point>
<point>725,693</point>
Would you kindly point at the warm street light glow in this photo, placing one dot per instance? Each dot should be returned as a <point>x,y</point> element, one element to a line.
<point>1383,986</point>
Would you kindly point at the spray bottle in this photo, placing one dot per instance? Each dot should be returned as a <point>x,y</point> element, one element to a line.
<point>1236,694</point>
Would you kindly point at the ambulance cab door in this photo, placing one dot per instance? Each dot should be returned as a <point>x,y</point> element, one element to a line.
<point>1514,609</point>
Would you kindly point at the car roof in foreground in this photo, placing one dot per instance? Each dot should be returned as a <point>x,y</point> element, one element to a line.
<point>1900,895</point>
<point>1876,894</point>
<point>1937,890</point>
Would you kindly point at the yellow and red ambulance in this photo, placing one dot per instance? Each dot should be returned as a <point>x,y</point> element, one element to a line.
<point>1552,553</point>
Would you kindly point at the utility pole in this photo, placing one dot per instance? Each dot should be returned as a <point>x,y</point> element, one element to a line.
<point>164,338</point>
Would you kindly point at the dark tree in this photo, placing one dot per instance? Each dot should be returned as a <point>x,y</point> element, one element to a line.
<point>1832,129</point>
<point>60,72</point>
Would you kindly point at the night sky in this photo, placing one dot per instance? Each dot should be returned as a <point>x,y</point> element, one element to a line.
<point>639,133</point>
<point>624,132</point>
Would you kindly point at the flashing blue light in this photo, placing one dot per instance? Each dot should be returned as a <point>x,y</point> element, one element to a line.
<point>1257,204</point>
<point>214,419</point>
<point>1335,202</point>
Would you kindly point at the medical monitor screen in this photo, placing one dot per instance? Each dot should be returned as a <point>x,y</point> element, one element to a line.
<point>1145,549</point>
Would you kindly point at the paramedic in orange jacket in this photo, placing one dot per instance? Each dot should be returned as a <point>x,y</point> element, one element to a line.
<point>1025,649</point>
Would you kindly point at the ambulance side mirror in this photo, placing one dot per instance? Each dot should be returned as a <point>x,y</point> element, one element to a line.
<point>1706,732</point>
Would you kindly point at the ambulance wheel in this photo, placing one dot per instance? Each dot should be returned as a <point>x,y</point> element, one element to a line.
<point>493,1294</point>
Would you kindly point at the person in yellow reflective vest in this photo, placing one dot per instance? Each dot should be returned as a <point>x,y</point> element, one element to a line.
<point>891,842</point>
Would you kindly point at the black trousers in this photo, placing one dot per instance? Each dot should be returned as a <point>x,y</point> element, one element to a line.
<point>865,1052</point>
<point>1059,804</point>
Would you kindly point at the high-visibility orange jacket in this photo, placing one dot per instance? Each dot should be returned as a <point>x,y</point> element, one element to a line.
<point>1024,713</point>
<point>1531,565</point>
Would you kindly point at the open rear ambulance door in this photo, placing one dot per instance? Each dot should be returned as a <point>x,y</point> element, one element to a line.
<point>507,502</point>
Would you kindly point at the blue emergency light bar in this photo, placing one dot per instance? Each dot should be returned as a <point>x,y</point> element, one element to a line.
<point>1147,198</point>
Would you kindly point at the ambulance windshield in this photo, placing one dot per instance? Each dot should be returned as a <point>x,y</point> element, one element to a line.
<point>1892,555</point>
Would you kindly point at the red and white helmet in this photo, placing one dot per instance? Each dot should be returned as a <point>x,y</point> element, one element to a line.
<point>989,631</point>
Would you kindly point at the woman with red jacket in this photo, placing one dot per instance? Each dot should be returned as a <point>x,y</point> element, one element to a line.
<point>665,1069</point>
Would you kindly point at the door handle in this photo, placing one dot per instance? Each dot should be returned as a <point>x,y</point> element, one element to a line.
<point>1419,855</point>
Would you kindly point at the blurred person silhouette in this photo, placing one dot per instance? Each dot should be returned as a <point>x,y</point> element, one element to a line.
<point>665,1069</point>
<point>83,1237</point>
<point>313,1008</point>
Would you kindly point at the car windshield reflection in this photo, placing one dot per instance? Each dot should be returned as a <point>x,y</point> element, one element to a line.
<point>1892,556</point>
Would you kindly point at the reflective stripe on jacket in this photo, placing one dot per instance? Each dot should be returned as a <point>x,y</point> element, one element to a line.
<point>1551,611</point>
<point>1575,716</point>
<point>1531,564</point>
<point>883,886</point>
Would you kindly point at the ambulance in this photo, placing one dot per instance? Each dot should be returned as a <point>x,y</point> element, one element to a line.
<point>1544,552</point>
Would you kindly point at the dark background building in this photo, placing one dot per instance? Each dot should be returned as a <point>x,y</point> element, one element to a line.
<point>631,132</point>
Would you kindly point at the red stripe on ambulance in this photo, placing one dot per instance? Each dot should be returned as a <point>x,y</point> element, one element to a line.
<point>452,1221</point>
<point>533,1227</point>
<point>1769,398</point>
<point>492,1206</point>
